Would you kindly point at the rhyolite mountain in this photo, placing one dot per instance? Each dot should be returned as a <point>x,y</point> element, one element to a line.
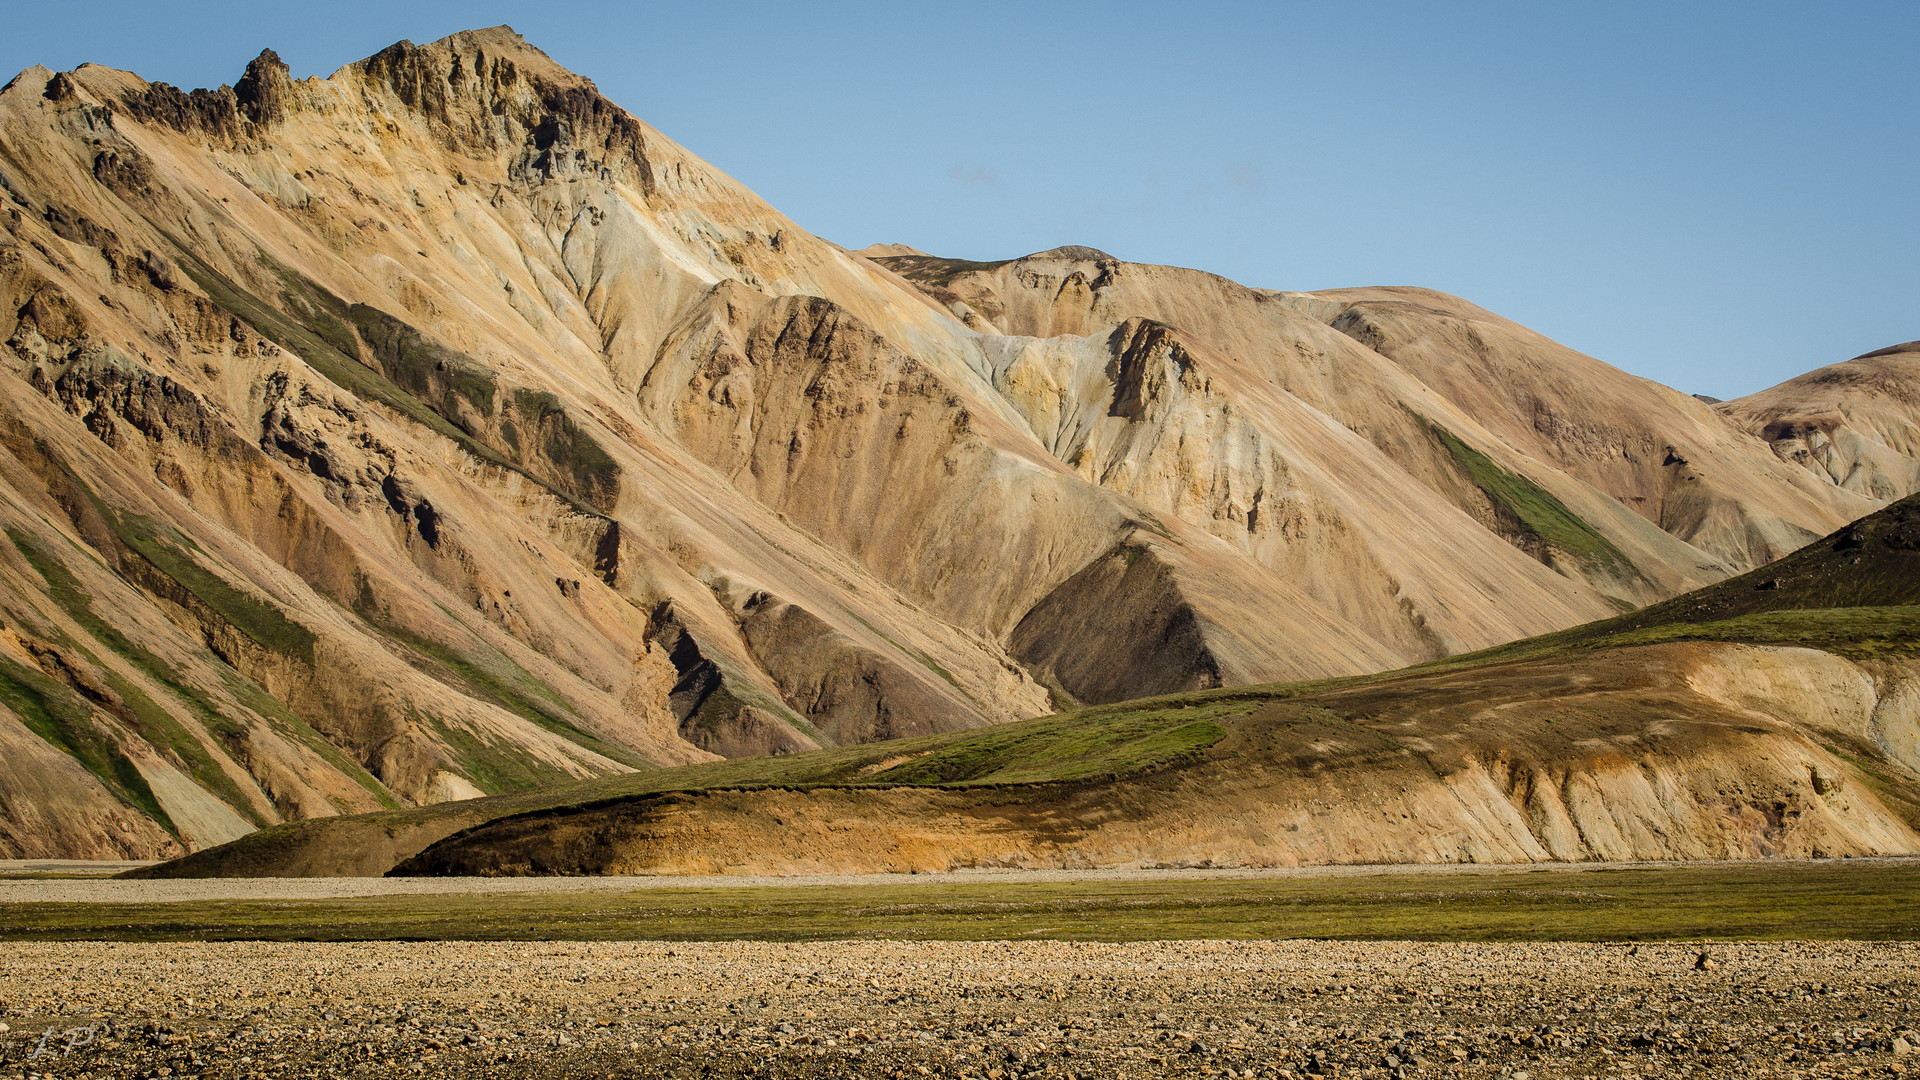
<point>438,429</point>
<point>1774,714</point>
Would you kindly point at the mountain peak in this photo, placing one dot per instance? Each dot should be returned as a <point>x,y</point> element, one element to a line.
<point>502,34</point>
<point>890,251</point>
<point>265,90</point>
<point>1074,253</point>
<point>1892,350</point>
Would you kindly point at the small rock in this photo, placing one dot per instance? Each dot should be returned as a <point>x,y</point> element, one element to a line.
<point>1901,1047</point>
<point>1705,962</point>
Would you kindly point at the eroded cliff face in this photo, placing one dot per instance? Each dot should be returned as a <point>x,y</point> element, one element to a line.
<point>438,428</point>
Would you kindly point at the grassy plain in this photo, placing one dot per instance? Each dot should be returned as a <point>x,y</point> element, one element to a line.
<point>1866,901</point>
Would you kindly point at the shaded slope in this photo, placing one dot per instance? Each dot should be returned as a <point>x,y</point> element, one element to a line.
<point>1855,592</point>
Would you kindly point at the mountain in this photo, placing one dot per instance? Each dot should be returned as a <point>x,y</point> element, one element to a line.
<point>1855,424</point>
<point>1772,714</point>
<point>438,429</point>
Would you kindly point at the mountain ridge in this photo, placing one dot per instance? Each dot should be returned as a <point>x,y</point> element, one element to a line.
<point>438,428</point>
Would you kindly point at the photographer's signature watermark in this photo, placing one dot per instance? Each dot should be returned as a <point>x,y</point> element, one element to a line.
<point>75,1039</point>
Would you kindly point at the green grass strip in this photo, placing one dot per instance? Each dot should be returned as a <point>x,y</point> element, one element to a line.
<point>65,720</point>
<point>1769,902</point>
<point>1536,509</point>
<point>339,368</point>
<point>259,620</point>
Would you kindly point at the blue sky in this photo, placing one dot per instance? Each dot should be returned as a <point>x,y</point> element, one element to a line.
<point>1717,196</point>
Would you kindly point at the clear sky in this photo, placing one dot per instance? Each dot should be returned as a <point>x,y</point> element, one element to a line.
<point>1717,196</point>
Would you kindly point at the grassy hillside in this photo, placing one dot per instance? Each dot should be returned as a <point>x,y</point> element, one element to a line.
<point>1110,742</point>
<point>1856,593</point>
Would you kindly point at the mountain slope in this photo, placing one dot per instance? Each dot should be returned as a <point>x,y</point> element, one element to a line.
<point>1620,468</point>
<point>438,368</point>
<point>1776,714</point>
<point>1855,424</point>
<point>438,429</point>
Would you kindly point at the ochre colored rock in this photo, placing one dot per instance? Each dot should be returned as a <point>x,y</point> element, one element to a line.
<point>439,428</point>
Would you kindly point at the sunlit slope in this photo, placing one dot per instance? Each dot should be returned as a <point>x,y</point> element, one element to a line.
<point>1856,424</point>
<point>1609,479</point>
<point>1660,735</point>
<point>437,429</point>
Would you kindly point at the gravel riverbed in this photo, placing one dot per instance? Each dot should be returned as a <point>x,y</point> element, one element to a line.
<point>992,1011</point>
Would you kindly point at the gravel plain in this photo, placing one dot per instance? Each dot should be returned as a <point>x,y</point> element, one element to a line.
<point>991,1011</point>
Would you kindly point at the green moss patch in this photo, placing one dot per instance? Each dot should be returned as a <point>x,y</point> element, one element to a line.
<point>1066,749</point>
<point>933,270</point>
<point>493,769</point>
<point>257,619</point>
<point>917,656</point>
<point>1780,901</point>
<point>579,460</point>
<point>428,370</point>
<point>158,725</point>
<point>499,680</point>
<point>276,712</point>
<point>1532,510</point>
<point>65,720</point>
<point>1857,633</point>
<point>325,314</point>
<point>325,351</point>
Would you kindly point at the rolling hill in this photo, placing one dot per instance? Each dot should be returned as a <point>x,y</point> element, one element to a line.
<point>1774,714</point>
